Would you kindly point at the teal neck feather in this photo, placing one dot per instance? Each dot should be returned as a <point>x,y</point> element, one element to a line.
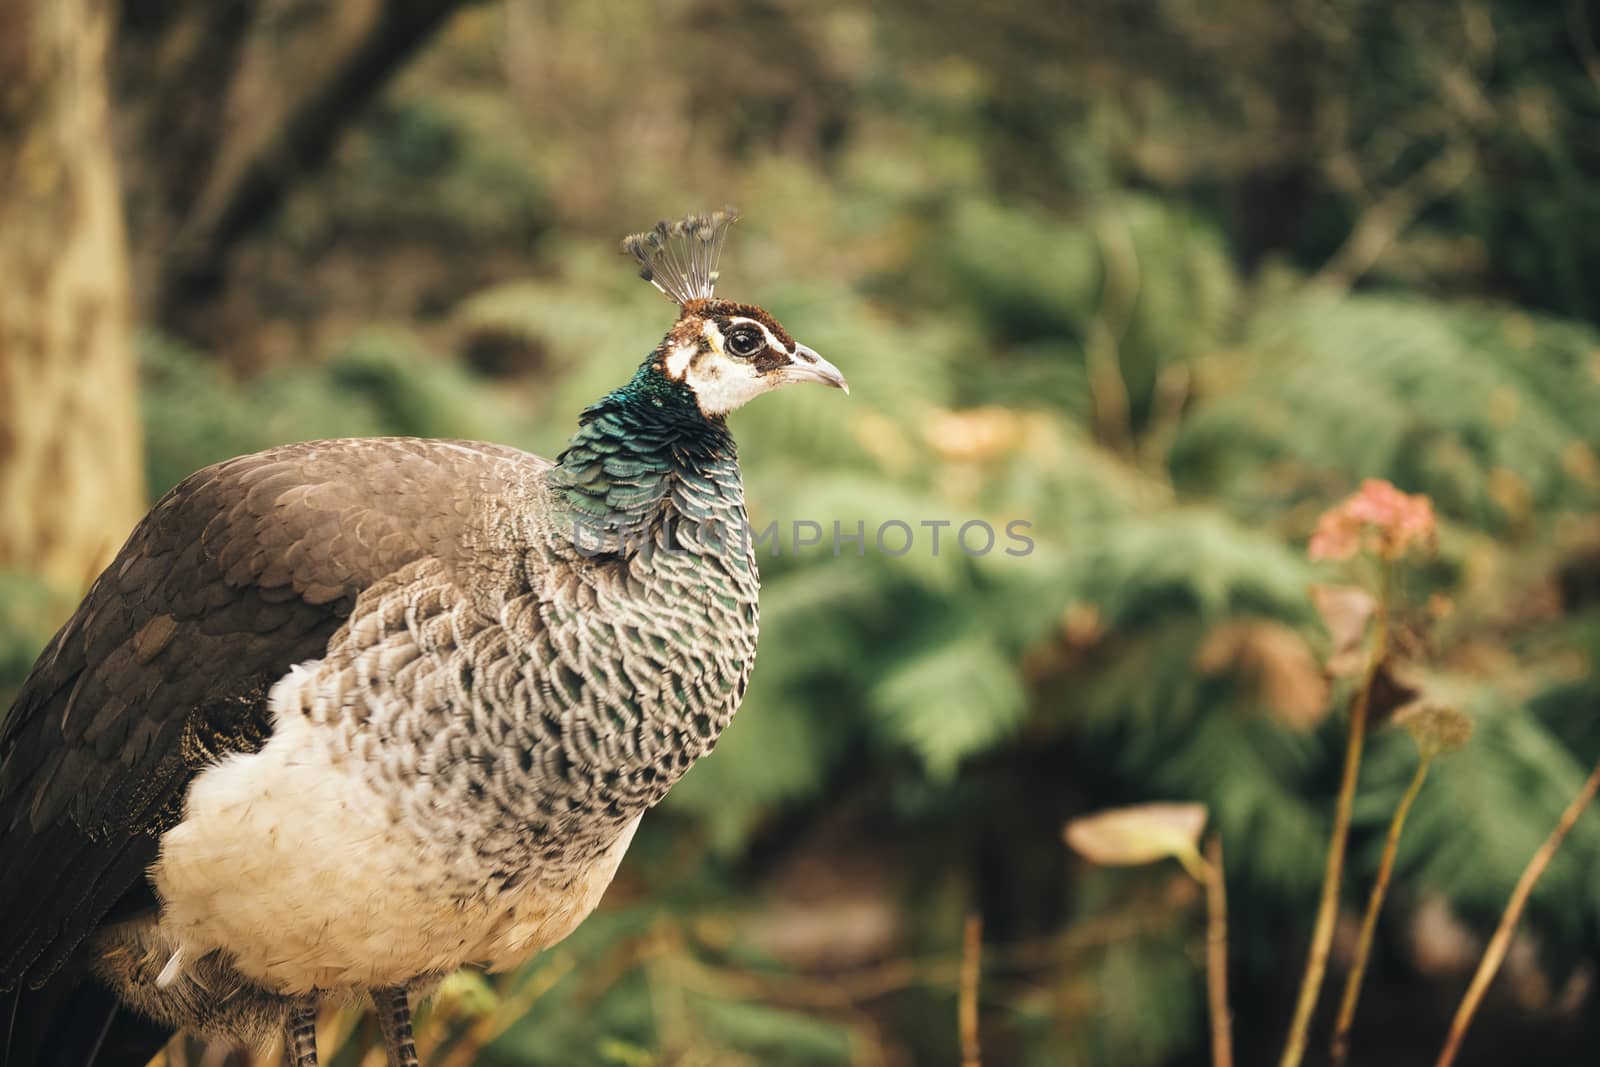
<point>633,444</point>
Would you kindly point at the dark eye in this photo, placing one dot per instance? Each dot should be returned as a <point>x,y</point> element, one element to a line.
<point>745,342</point>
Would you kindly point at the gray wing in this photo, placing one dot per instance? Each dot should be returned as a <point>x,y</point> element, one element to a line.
<point>239,572</point>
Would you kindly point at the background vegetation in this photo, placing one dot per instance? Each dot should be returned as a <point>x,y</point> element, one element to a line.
<point>1165,280</point>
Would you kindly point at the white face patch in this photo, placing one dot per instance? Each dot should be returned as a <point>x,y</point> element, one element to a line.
<point>721,382</point>
<point>678,359</point>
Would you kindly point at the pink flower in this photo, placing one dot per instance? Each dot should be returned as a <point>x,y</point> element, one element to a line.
<point>1378,518</point>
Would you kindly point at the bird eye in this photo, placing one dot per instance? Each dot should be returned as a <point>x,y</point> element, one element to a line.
<point>745,342</point>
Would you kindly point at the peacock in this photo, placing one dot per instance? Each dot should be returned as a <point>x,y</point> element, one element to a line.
<point>344,716</point>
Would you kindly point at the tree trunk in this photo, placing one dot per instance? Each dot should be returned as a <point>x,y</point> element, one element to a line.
<point>71,480</point>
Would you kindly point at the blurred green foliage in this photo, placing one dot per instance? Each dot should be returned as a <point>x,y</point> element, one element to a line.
<point>1082,270</point>
<point>29,611</point>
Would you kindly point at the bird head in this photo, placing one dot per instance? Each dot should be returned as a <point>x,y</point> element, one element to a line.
<point>724,353</point>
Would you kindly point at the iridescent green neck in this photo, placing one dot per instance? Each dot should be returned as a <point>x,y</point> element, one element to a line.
<point>631,443</point>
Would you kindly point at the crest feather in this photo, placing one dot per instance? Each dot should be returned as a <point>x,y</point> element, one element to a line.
<point>679,257</point>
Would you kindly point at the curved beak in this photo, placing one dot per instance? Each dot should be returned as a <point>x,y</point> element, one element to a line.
<point>810,367</point>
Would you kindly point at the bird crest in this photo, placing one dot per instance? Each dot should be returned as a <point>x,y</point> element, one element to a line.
<point>679,256</point>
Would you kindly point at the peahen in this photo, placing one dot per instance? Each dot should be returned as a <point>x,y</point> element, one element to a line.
<point>344,716</point>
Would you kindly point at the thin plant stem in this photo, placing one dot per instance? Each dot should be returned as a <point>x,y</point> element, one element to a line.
<point>1194,865</point>
<point>1501,941</point>
<point>967,1010</point>
<point>1217,956</point>
<point>1294,1048</point>
<point>1369,922</point>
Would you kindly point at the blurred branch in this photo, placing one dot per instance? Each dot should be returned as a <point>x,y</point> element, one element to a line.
<point>248,97</point>
<point>1388,216</point>
<point>1369,922</point>
<point>1501,941</point>
<point>1456,113</point>
<point>1174,389</point>
<point>971,967</point>
<point>855,986</point>
<point>256,169</point>
<point>1217,956</point>
<point>1120,288</point>
<point>1328,907</point>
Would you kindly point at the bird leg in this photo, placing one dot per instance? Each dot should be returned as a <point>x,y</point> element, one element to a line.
<point>300,1033</point>
<point>394,1020</point>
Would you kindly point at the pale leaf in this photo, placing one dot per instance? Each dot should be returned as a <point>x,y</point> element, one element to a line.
<point>1144,833</point>
<point>1346,611</point>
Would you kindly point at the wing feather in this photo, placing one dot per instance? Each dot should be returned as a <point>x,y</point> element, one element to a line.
<point>243,570</point>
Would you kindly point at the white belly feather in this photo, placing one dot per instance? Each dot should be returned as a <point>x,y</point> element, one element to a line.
<point>290,860</point>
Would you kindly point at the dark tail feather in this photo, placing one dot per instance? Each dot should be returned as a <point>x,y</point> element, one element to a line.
<point>72,1022</point>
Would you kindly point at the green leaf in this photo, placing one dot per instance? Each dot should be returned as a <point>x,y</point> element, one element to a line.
<point>950,700</point>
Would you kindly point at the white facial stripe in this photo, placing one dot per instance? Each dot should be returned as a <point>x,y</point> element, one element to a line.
<point>772,339</point>
<point>678,359</point>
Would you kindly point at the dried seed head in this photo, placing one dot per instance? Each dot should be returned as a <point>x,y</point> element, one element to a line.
<point>1436,728</point>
